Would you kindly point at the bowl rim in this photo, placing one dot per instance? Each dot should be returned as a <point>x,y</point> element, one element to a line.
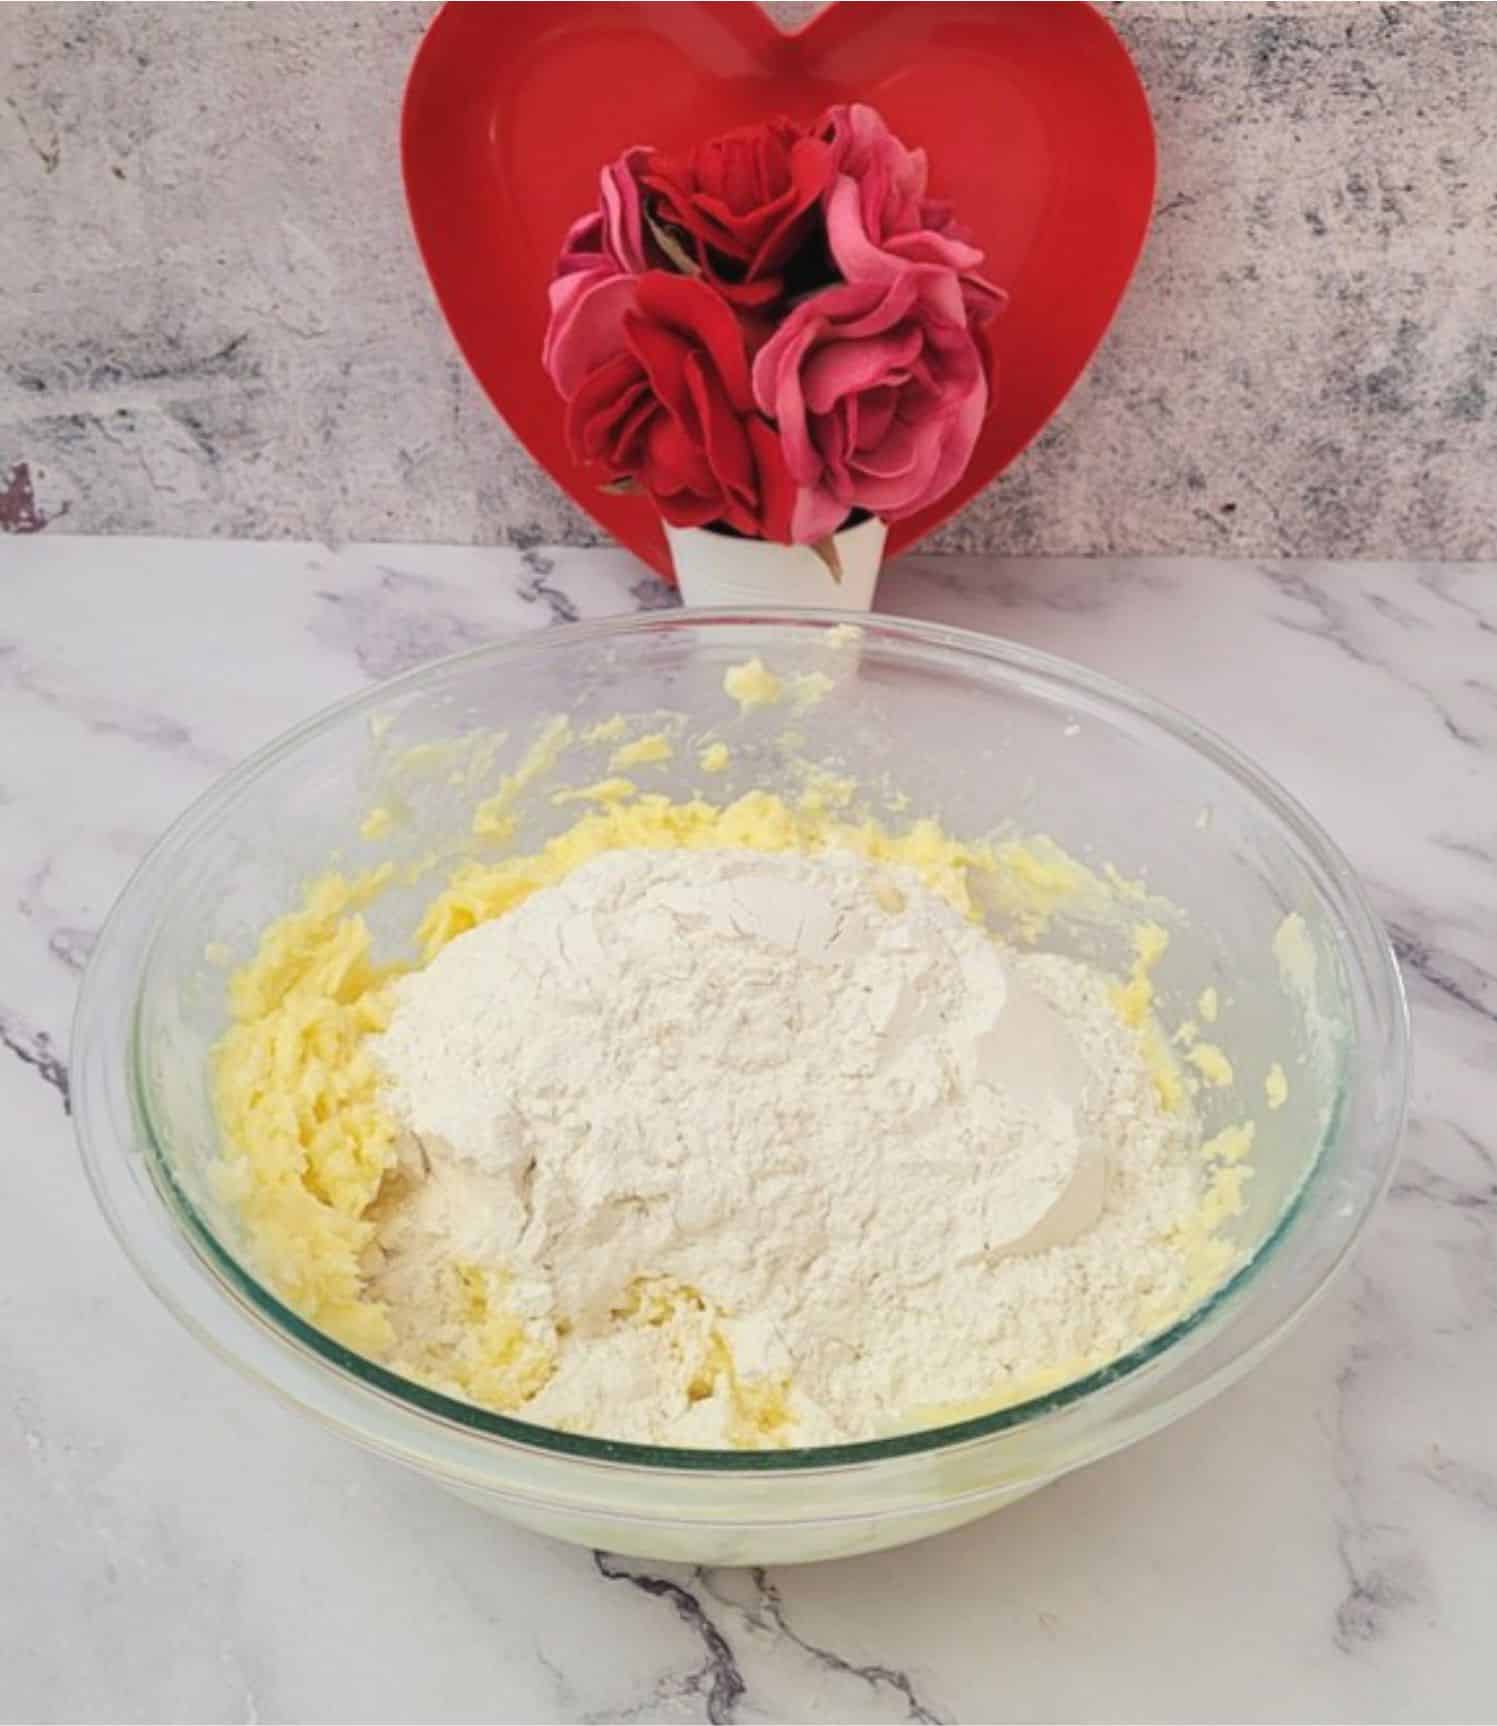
<point>1359,936</point>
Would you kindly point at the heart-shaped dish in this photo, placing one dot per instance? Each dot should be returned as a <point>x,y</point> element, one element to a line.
<point>1032,115</point>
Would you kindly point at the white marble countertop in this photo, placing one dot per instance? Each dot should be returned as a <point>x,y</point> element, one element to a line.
<point>1320,1542</point>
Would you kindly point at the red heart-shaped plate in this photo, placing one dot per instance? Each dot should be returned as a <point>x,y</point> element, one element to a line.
<point>1033,117</point>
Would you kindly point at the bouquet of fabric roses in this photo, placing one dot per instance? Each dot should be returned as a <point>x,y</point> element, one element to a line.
<point>774,333</point>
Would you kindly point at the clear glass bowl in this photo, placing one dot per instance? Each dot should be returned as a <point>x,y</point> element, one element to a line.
<point>980,733</point>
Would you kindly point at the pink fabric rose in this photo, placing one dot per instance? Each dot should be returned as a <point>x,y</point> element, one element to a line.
<point>879,219</point>
<point>601,253</point>
<point>879,392</point>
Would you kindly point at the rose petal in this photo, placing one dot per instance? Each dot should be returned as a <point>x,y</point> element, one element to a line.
<point>582,249</point>
<point>662,353</point>
<point>922,246</point>
<point>817,513</point>
<point>607,398</point>
<point>777,490</point>
<point>675,462</point>
<point>960,439</point>
<point>895,457</point>
<point>619,430</point>
<point>778,393</point>
<point>894,495</point>
<point>685,508</point>
<point>693,308</point>
<point>587,325</point>
<point>858,258</point>
<point>623,210</point>
<point>726,444</point>
<point>829,433</point>
<point>876,409</point>
<point>840,368</point>
<point>983,299</point>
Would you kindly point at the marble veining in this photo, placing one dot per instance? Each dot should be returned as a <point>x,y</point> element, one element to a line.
<point>1320,1542</point>
<point>213,319</point>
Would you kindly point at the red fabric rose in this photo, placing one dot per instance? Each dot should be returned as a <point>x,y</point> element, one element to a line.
<point>744,202</point>
<point>672,407</point>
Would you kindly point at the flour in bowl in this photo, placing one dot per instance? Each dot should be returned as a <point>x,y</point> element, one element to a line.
<point>734,1148</point>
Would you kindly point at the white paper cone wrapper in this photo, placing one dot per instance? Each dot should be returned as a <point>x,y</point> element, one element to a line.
<point>717,569</point>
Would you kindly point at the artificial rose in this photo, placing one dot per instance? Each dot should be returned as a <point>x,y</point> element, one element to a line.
<point>879,394</point>
<point>879,219</point>
<point>664,396</point>
<point>743,203</point>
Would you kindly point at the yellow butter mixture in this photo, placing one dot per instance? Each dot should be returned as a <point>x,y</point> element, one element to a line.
<point>330,1192</point>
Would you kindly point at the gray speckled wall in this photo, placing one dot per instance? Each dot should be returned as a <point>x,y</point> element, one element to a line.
<point>212,319</point>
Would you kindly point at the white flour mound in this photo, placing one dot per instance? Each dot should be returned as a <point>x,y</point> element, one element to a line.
<point>833,1126</point>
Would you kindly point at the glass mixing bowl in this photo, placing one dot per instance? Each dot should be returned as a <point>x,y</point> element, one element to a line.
<point>980,734</point>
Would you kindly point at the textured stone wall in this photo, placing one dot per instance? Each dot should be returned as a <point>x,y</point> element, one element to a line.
<point>213,321</point>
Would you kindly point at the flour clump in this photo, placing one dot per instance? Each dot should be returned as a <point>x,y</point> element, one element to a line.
<point>767,1149</point>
